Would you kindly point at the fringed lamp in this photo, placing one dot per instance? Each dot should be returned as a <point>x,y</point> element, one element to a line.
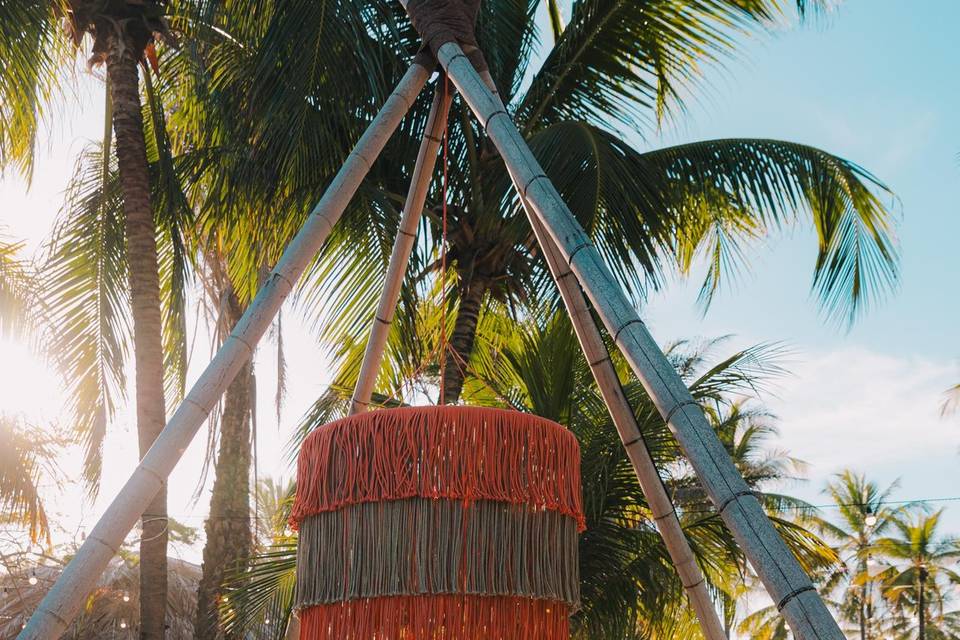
<point>438,523</point>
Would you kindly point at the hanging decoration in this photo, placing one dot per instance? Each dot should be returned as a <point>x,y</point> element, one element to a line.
<point>438,523</point>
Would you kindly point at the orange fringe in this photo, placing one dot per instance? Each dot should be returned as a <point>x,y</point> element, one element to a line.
<point>437,618</point>
<point>449,452</point>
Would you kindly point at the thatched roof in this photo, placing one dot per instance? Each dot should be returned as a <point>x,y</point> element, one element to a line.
<point>107,614</point>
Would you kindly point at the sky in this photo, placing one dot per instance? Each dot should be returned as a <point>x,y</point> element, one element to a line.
<point>872,81</point>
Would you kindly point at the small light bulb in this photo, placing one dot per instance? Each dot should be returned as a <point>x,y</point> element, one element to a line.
<point>871,520</point>
<point>123,624</point>
<point>266,621</point>
<point>126,597</point>
<point>32,579</point>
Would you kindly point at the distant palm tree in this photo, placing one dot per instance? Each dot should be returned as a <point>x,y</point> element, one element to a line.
<point>35,46</point>
<point>862,517</point>
<point>921,576</point>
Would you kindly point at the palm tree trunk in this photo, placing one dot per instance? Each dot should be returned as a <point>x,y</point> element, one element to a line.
<point>461,340</point>
<point>228,525</point>
<point>921,606</point>
<point>863,613</point>
<point>147,325</point>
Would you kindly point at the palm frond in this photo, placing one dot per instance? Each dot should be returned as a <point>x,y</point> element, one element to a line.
<point>738,189</point>
<point>174,218</point>
<point>32,51</point>
<point>23,452</point>
<point>259,597</point>
<point>626,62</point>
<point>951,403</point>
<point>85,284</point>
<point>18,286</point>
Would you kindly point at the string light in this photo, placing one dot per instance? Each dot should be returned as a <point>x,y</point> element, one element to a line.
<point>123,624</point>
<point>870,520</point>
<point>126,596</point>
<point>33,578</point>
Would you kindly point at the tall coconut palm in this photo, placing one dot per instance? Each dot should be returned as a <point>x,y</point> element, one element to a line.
<point>861,518</point>
<point>922,573</point>
<point>33,42</point>
<point>615,72</point>
<point>228,527</point>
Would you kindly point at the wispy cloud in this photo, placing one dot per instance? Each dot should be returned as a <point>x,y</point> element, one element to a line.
<point>854,406</point>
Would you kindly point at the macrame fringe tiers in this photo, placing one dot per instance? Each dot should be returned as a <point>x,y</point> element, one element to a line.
<point>450,452</point>
<point>449,617</point>
<point>438,523</point>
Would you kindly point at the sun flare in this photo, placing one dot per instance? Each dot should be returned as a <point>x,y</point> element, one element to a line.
<point>29,388</point>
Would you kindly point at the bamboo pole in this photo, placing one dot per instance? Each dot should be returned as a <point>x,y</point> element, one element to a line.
<point>402,246</point>
<point>66,597</point>
<point>661,508</point>
<point>780,572</point>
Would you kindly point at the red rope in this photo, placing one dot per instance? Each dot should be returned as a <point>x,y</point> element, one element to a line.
<point>443,256</point>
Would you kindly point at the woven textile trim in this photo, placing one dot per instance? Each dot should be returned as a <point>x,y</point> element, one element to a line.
<point>451,452</point>
<point>419,546</point>
<point>437,618</point>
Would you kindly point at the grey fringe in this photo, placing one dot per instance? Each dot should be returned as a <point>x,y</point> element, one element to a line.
<point>423,546</point>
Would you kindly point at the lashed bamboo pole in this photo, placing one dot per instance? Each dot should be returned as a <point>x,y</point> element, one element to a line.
<point>595,351</point>
<point>402,246</point>
<point>66,597</point>
<point>780,572</point>
<point>623,416</point>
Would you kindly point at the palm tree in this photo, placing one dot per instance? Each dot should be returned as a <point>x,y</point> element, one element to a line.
<point>921,576</point>
<point>614,71</point>
<point>36,50</point>
<point>862,518</point>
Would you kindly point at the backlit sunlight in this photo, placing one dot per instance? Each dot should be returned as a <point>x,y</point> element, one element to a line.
<point>30,388</point>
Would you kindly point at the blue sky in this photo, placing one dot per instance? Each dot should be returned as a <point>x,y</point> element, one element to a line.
<point>873,81</point>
